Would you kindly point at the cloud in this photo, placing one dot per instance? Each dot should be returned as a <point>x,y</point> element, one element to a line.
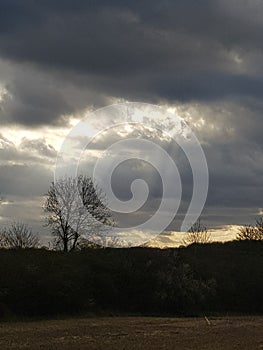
<point>28,151</point>
<point>24,180</point>
<point>39,146</point>
<point>59,60</point>
<point>26,168</point>
<point>34,97</point>
<point>148,51</point>
<point>67,56</point>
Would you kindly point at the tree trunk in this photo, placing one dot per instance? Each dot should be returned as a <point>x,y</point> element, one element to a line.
<point>65,245</point>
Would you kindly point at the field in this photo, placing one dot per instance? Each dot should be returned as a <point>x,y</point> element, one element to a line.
<point>135,333</point>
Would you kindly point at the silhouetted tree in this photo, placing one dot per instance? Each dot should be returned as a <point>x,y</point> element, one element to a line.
<point>249,232</point>
<point>198,233</point>
<point>2,240</point>
<point>19,236</point>
<point>75,208</point>
<point>101,242</point>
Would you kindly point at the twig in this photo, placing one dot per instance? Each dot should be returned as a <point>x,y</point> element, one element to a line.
<point>207,321</point>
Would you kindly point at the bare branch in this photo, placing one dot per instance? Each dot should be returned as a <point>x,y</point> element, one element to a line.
<point>19,236</point>
<point>249,232</point>
<point>198,233</point>
<point>74,208</point>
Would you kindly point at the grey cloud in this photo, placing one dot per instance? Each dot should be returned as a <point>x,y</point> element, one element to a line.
<point>40,146</point>
<point>24,180</point>
<point>25,170</point>
<point>34,97</point>
<point>205,57</point>
<point>140,51</point>
<point>28,152</point>
<point>96,27</point>
<point>234,160</point>
<point>17,208</point>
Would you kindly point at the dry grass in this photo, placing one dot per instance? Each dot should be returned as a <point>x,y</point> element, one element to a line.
<point>135,333</point>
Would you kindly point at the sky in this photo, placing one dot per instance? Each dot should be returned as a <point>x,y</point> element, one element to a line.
<point>203,61</point>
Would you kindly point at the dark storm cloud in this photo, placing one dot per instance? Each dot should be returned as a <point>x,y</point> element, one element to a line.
<point>29,102</point>
<point>137,50</point>
<point>33,97</point>
<point>59,57</point>
<point>74,33</point>
<point>231,135</point>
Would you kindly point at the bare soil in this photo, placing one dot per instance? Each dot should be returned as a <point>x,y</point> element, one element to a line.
<point>135,333</point>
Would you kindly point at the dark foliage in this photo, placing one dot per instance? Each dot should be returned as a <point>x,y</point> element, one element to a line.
<point>202,278</point>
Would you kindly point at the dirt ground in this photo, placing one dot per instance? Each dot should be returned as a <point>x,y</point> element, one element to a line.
<point>135,333</point>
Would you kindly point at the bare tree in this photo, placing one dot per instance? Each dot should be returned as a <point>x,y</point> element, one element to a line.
<point>101,241</point>
<point>249,232</point>
<point>2,240</point>
<point>198,233</point>
<point>19,236</point>
<point>259,225</point>
<point>75,208</point>
<point>2,243</point>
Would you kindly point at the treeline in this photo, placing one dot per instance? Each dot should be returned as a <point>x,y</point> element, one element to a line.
<point>198,279</point>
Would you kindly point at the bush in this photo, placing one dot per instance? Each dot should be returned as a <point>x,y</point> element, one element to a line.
<point>201,278</point>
